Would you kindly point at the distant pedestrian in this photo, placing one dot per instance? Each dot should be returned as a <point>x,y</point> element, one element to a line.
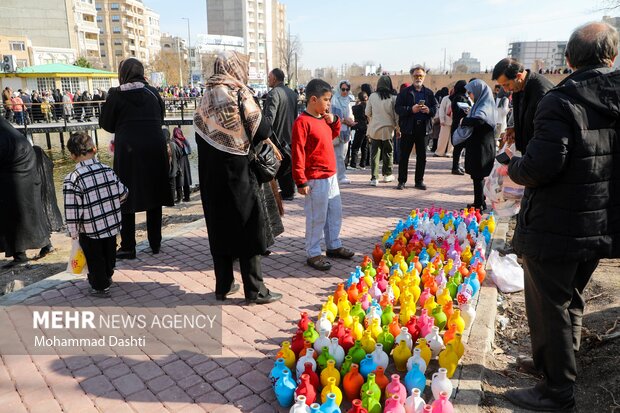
<point>281,110</point>
<point>458,113</point>
<point>360,139</point>
<point>184,178</point>
<point>93,195</point>
<point>381,126</point>
<point>341,106</point>
<point>444,144</point>
<point>416,106</point>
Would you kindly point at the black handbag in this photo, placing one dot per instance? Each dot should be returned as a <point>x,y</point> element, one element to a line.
<point>285,149</point>
<point>263,160</point>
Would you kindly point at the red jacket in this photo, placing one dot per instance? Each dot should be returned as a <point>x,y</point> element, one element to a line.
<point>312,148</point>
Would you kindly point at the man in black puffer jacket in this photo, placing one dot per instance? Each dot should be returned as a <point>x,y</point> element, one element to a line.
<point>570,212</point>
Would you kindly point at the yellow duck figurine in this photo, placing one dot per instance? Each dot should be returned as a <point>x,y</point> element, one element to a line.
<point>457,319</point>
<point>466,254</point>
<point>345,316</point>
<point>430,304</point>
<point>425,350</point>
<point>375,328</point>
<point>444,297</point>
<point>401,354</point>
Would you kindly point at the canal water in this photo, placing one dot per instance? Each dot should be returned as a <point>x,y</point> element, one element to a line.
<point>63,164</point>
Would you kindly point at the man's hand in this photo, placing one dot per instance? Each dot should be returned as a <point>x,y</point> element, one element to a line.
<point>304,190</point>
<point>416,108</point>
<point>425,109</point>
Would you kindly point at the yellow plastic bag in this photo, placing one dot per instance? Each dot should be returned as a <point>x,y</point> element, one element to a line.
<point>77,260</point>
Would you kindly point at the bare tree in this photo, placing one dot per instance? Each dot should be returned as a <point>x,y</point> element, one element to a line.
<point>168,64</point>
<point>608,5</point>
<point>208,61</point>
<point>289,48</point>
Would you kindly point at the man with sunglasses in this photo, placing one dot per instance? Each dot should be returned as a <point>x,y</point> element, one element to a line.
<point>416,106</point>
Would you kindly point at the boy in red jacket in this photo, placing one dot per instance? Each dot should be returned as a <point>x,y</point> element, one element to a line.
<point>314,172</point>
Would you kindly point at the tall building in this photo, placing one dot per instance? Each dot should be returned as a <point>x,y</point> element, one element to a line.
<point>86,32</point>
<point>123,31</point>
<point>539,55</point>
<point>255,22</point>
<point>466,64</point>
<point>19,46</point>
<point>153,34</point>
<point>58,30</point>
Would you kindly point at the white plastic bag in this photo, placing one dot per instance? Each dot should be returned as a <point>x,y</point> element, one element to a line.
<point>506,272</point>
<point>77,260</point>
<point>501,191</point>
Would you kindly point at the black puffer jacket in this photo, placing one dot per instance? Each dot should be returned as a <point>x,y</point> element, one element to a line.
<point>571,171</point>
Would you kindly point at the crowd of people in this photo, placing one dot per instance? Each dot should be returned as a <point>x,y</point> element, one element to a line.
<point>565,155</point>
<point>27,107</point>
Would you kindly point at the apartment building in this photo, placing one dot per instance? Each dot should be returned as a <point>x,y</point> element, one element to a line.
<point>126,28</point>
<point>153,34</point>
<point>538,55</point>
<point>86,33</point>
<point>259,22</point>
<point>19,46</point>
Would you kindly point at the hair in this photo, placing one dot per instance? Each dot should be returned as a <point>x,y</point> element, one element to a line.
<point>362,96</point>
<point>416,67</point>
<point>344,82</point>
<point>366,87</point>
<point>278,74</point>
<point>591,44</point>
<point>508,67</point>
<point>385,88</point>
<point>80,144</point>
<point>317,88</point>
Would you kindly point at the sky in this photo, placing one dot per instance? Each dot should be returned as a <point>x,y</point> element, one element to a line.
<point>400,33</point>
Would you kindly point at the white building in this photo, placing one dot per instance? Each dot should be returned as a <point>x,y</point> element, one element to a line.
<point>254,21</point>
<point>87,31</point>
<point>539,54</point>
<point>471,64</point>
<point>153,34</point>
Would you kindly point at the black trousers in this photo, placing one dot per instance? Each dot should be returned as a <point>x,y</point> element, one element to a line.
<point>287,185</point>
<point>407,142</point>
<point>554,303</point>
<point>101,259</point>
<point>360,142</point>
<point>478,191</point>
<point>251,274</point>
<point>456,156</point>
<point>153,229</point>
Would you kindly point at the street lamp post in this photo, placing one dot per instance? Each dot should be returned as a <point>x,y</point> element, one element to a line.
<point>189,51</point>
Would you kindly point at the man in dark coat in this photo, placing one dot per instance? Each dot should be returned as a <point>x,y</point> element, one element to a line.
<point>134,112</point>
<point>527,89</point>
<point>570,212</point>
<point>281,110</point>
<point>21,214</point>
<point>416,107</point>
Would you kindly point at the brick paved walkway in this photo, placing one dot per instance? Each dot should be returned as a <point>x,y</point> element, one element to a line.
<point>236,380</point>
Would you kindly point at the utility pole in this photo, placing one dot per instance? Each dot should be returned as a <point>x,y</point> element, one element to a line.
<point>444,59</point>
<point>180,62</point>
<point>189,51</point>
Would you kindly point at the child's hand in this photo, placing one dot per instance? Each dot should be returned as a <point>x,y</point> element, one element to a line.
<point>329,117</point>
<point>304,190</point>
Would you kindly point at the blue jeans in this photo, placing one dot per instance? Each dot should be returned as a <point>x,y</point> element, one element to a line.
<point>323,208</point>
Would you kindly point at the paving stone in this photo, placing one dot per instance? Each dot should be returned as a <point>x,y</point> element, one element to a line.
<point>206,367</point>
<point>97,386</point>
<point>216,375</point>
<point>199,389</point>
<point>256,381</point>
<point>172,395</point>
<point>190,381</point>
<point>237,392</point>
<point>225,384</point>
<point>117,370</point>
<point>239,368</point>
<point>210,401</point>
<point>128,384</point>
<point>160,383</point>
<point>249,403</point>
<point>178,370</point>
<point>147,370</point>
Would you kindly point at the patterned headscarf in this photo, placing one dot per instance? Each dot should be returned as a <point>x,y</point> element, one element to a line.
<point>217,119</point>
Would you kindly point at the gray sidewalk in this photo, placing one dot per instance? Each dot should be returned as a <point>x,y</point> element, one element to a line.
<point>182,275</point>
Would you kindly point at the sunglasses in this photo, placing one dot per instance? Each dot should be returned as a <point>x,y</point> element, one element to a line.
<point>345,89</point>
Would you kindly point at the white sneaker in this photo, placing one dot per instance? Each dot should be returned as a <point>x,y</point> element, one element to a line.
<point>388,178</point>
<point>374,182</point>
<point>344,181</point>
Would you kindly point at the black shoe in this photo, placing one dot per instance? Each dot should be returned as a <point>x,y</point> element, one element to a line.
<point>457,172</point>
<point>533,399</point>
<point>400,186</point>
<point>186,199</point>
<point>526,365</point>
<point>105,293</point>
<point>177,200</point>
<point>19,259</point>
<point>126,254</point>
<point>233,289</point>
<point>46,250</point>
<point>420,185</point>
<point>265,299</point>
<point>156,249</point>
